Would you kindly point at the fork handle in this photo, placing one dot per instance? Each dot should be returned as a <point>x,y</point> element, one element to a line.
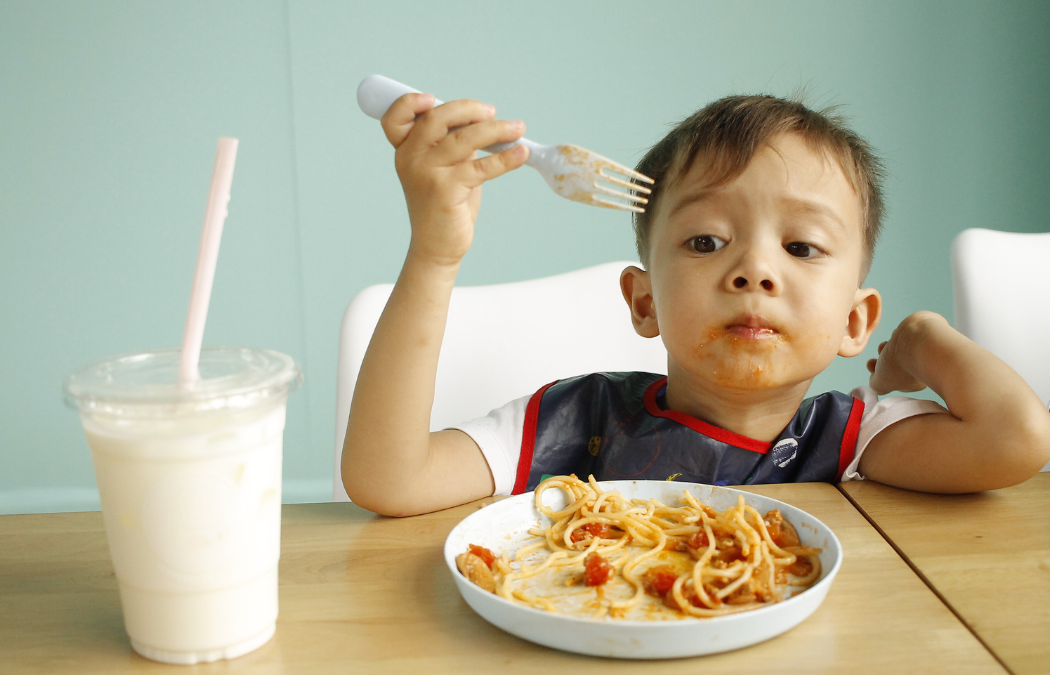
<point>376,94</point>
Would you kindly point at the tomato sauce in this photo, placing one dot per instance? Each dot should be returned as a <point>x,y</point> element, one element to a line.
<point>596,571</point>
<point>486,555</point>
<point>588,531</point>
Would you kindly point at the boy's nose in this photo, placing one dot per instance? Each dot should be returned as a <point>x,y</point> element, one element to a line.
<point>742,283</point>
<point>752,273</point>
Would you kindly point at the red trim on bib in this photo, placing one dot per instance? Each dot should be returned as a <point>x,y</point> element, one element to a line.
<point>709,430</point>
<point>848,449</point>
<point>528,440</point>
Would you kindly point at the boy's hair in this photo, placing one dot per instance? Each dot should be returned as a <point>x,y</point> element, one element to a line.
<point>726,134</point>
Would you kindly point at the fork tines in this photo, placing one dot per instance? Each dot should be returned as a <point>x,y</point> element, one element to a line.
<point>629,199</point>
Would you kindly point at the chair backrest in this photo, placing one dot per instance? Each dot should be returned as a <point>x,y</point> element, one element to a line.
<point>507,340</point>
<point>1001,287</point>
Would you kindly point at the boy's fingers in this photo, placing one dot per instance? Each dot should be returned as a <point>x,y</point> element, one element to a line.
<point>434,126</point>
<point>496,165</point>
<point>462,143</point>
<point>871,366</point>
<point>400,117</point>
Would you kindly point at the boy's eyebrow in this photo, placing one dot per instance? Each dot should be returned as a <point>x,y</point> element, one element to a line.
<point>806,207</point>
<point>691,198</point>
<point>799,206</point>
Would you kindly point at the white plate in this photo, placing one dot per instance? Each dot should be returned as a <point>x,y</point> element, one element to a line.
<point>505,524</point>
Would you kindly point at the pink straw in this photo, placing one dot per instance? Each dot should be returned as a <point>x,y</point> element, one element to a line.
<point>207,257</point>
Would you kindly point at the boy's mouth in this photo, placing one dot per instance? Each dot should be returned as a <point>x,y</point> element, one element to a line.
<point>752,327</point>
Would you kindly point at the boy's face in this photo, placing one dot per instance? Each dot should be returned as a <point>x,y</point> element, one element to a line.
<point>754,285</point>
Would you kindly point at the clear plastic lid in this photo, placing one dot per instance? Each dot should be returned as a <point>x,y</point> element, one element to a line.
<point>147,385</point>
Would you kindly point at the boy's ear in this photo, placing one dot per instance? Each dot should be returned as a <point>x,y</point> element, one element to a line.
<point>862,321</point>
<point>638,292</point>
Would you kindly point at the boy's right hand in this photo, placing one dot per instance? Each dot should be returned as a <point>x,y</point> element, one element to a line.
<point>441,174</point>
<point>392,463</point>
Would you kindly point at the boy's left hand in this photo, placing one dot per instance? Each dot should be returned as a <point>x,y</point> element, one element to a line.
<point>888,371</point>
<point>996,432</point>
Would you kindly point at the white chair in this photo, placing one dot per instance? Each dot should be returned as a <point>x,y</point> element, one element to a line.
<point>505,341</point>
<point>1001,284</point>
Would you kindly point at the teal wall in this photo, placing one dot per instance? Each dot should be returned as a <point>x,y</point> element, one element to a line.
<point>110,111</point>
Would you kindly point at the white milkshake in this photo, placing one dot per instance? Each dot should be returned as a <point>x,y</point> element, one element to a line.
<point>190,482</point>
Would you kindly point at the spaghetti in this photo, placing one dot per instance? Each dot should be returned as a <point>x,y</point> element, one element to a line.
<point>624,556</point>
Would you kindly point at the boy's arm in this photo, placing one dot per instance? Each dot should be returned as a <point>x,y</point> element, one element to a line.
<point>998,432</point>
<point>392,464</point>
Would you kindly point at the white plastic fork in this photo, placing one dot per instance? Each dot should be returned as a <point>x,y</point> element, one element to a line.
<point>573,172</point>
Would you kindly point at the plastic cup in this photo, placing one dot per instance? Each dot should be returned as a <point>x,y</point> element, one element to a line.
<point>190,483</point>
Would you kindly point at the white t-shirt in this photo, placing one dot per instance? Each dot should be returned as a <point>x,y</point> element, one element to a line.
<point>499,433</point>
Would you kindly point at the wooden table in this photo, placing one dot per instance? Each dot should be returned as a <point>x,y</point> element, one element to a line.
<point>361,593</point>
<point>987,555</point>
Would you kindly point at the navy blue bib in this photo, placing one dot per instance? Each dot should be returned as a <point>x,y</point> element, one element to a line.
<point>612,426</point>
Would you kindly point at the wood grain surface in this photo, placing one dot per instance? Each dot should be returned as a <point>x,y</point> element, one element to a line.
<point>363,593</point>
<point>986,554</point>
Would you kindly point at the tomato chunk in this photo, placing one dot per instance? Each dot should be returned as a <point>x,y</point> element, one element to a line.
<point>802,567</point>
<point>698,540</point>
<point>659,580</point>
<point>486,555</point>
<point>780,530</point>
<point>596,571</point>
<point>589,530</point>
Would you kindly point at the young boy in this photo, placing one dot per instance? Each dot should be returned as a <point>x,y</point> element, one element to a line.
<point>755,245</point>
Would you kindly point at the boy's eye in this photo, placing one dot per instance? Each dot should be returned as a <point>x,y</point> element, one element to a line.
<point>800,249</point>
<point>706,243</point>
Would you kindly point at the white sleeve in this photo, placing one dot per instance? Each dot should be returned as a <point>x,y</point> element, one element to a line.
<point>880,414</point>
<point>498,434</point>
